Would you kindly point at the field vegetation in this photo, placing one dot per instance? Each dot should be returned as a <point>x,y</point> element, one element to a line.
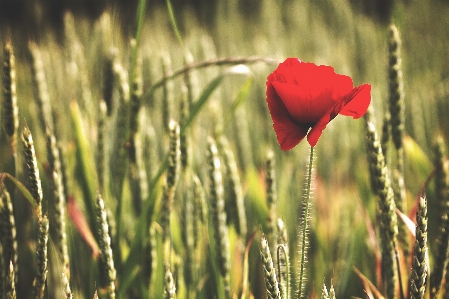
<point>139,160</point>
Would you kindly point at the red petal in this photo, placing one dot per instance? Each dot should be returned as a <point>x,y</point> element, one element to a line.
<point>284,72</point>
<point>341,86</point>
<point>318,128</point>
<point>288,133</point>
<point>306,104</point>
<point>289,137</point>
<point>357,101</point>
<point>354,104</point>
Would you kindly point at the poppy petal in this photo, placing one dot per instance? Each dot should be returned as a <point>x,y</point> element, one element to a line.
<point>341,86</point>
<point>289,137</point>
<point>301,101</point>
<point>357,101</point>
<point>318,127</point>
<point>285,72</point>
<point>288,133</point>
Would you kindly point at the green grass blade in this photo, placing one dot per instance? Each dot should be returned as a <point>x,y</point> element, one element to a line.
<point>85,164</point>
<point>140,19</point>
<point>419,161</point>
<point>171,13</point>
<point>21,187</point>
<point>236,70</point>
<point>241,97</point>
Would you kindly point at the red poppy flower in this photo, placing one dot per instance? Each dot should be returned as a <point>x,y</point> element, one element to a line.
<point>302,96</point>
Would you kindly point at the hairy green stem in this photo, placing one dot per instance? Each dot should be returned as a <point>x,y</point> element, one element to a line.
<point>303,239</point>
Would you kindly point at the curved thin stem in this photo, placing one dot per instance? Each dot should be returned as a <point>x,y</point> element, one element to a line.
<point>213,62</point>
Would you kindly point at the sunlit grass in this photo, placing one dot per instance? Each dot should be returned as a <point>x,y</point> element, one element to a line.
<point>228,101</point>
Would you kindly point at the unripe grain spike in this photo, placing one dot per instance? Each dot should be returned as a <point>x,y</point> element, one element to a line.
<point>32,170</point>
<point>270,181</point>
<point>67,291</point>
<point>101,145</point>
<point>419,267</point>
<point>442,242</point>
<point>42,259</point>
<point>388,225</point>
<point>169,285</point>
<point>10,110</point>
<point>9,231</point>
<point>11,282</point>
<point>233,184</point>
<point>396,111</point>
<point>171,178</point>
<point>40,88</point>
<point>219,215</point>
<point>396,98</point>
<point>106,258</point>
<point>109,79</point>
<point>271,281</point>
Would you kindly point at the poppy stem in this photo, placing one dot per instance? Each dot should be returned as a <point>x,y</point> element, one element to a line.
<point>305,227</point>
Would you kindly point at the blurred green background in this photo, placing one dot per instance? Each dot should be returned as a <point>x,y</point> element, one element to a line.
<point>351,36</point>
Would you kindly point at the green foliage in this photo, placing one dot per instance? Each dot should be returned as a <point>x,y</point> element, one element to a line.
<point>75,92</point>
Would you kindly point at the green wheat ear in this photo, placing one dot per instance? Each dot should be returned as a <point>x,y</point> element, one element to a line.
<point>8,231</point>
<point>171,180</point>
<point>419,267</point>
<point>200,208</point>
<point>10,110</point>
<point>270,181</point>
<point>386,212</point>
<point>59,201</point>
<point>327,295</point>
<point>396,88</point>
<point>235,199</point>
<point>11,282</point>
<point>151,260</point>
<point>396,111</point>
<point>386,134</point>
<point>219,215</point>
<point>106,260</point>
<point>324,292</point>
<point>76,68</point>
<point>138,175</point>
<point>169,285</point>
<point>32,170</point>
<point>120,153</point>
<point>283,259</point>
<point>332,292</point>
<point>41,94</point>
<point>271,281</point>
<point>66,287</point>
<point>137,172</point>
<point>188,228</point>
<point>441,186</point>
<point>101,145</point>
<point>109,79</point>
<point>135,103</point>
<point>42,260</point>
